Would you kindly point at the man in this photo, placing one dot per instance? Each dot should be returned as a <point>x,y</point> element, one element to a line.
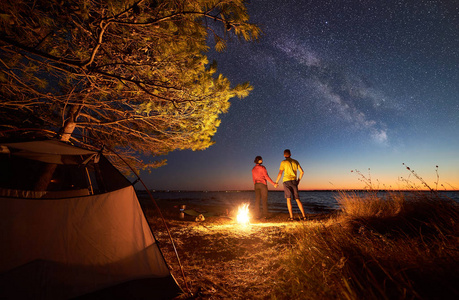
<point>290,167</point>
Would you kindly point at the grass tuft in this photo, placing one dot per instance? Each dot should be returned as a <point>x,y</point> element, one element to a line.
<point>404,246</point>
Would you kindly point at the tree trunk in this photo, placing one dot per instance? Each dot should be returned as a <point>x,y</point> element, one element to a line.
<point>67,130</point>
<point>70,122</point>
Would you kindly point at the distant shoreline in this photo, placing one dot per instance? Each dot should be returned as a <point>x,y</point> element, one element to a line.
<point>280,191</point>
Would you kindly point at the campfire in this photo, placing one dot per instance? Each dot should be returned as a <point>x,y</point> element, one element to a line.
<point>243,214</point>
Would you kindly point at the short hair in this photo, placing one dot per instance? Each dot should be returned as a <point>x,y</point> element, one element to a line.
<point>287,151</point>
<point>257,159</point>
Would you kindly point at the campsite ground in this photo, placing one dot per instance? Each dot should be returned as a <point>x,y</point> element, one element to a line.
<point>222,259</point>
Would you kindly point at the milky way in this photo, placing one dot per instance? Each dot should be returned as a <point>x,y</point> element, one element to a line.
<point>345,85</point>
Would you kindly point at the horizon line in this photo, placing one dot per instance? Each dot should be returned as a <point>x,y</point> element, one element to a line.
<point>302,190</point>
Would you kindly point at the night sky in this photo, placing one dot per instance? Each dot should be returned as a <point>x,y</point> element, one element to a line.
<point>345,85</point>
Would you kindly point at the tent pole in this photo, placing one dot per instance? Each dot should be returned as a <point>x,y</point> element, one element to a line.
<point>91,190</point>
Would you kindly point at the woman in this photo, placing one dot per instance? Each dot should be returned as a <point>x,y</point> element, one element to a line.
<point>260,176</point>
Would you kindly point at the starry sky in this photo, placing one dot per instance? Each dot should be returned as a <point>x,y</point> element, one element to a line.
<point>345,85</point>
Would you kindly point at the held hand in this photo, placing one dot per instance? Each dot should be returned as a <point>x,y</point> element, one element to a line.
<point>275,185</point>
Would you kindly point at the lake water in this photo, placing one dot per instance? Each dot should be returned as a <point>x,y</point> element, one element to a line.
<point>313,201</point>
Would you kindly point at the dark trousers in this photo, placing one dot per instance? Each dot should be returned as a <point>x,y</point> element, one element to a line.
<point>261,193</point>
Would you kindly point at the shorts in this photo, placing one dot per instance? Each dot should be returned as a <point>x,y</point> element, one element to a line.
<point>291,189</point>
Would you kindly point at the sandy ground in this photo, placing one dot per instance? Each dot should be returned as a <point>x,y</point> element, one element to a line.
<point>220,258</point>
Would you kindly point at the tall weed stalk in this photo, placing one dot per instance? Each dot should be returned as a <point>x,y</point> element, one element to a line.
<point>404,246</point>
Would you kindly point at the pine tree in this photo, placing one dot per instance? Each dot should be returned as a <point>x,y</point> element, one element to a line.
<point>132,74</point>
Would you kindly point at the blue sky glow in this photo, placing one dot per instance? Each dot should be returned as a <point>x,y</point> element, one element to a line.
<point>345,85</point>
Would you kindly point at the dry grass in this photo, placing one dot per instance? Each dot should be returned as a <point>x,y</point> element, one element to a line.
<point>229,262</point>
<point>224,260</point>
<point>402,247</point>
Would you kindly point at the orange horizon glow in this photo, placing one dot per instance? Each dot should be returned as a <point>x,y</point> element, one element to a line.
<point>330,177</point>
<point>314,185</point>
<point>355,180</point>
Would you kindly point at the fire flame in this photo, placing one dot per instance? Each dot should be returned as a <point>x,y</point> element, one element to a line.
<point>243,216</point>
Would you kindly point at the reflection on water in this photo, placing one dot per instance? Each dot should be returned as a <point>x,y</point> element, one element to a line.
<point>313,201</point>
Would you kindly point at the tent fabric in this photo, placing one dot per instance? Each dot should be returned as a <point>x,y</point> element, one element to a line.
<point>49,151</point>
<point>82,246</point>
<point>94,230</point>
<point>86,239</point>
<point>42,194</point>
<point>48,147</point>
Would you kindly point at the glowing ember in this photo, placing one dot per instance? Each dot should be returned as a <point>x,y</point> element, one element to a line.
<point>243,216</point>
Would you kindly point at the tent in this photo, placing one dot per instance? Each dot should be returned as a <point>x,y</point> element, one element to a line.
<point>83,237</point>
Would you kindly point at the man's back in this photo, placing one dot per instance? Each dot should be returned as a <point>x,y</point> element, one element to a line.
<point>290,167</point>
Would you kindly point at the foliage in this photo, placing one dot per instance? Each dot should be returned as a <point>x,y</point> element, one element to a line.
<point>129,73</point>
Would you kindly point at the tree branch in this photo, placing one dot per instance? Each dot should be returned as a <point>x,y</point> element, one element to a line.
<point>68,62</point>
